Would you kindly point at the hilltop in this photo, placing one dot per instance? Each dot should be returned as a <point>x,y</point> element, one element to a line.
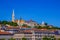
<point>38,26</point>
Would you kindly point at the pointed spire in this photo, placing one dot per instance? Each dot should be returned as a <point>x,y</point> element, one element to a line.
<point>13,16</point>
<point>13,12</point>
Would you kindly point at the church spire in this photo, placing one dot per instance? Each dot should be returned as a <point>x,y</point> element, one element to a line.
<point>13,16</point>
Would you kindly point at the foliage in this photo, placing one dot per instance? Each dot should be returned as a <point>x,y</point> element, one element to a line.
<point>46,27</point>
<point>11,39</point>
<point>24,39</point>
<point>40,27</point>
<point>9,23</point>
<point>59,39</point>
<point>29,26</point>
<point>35,26</point>
<point>24,25</point>
<point>13,24</point>
<point>46,23</point>
<point>49,38</point>
<point>2,39</point>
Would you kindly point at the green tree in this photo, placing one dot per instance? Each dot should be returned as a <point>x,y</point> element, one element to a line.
<point>53,38</point>
<point>35,26</point>
<point>38,27</point>
<point>24,25</point>
<point>13,24</point>
<point>46,23</point>
<point>11,39</point>
<point>4,22</point>
<point>9,23</point>
<point>0,22</point>
<point>49,38</point>
<point>24,39</point>
<point>59,39</point>
<point>29,26</point>
<point>45,38</point>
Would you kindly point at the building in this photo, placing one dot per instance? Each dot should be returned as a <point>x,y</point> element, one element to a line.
<point>35,34</point>
<point>20,22</point>
<point>5,35</point>
<point>28,33</point>
<point>31,23</point>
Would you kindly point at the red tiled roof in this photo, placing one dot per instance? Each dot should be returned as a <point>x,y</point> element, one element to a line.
<point>24,27</point>
<point>4,32</point>
<point>12,27</point>
<point>27,30</point>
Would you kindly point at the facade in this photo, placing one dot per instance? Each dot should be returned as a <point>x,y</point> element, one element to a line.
<point>28,33</point>
<point>5,35</point>
<point>31,23</point>
<point>35,34</point>
<point>20,22</point>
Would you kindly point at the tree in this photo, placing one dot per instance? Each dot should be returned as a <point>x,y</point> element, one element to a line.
<point>45,38</point>
<point>38,27</point>
<point>11,39</point>
<point>9,23</point>
<point>35,26</point>
<point>0,22</point>
<point>24,25</point>
<point>13,24</point>
<point>53,38</point>
<point>29,26</point>
<point>59,39</point>
<point>46,23</point>
<point>4,22</point>
<point>49,38</point>
<point>24,39</point>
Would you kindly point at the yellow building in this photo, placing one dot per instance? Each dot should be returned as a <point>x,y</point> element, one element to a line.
<point>20,22</point>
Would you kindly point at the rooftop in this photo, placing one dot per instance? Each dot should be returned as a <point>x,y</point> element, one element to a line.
<point>4,33</point>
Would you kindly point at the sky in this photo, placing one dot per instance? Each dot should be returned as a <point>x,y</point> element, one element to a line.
<point>37,10</point>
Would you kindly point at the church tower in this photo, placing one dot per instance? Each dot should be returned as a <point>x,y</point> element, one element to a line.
<point>13,16</point>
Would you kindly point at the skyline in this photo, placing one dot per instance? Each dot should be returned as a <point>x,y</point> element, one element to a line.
<point>37,10</point>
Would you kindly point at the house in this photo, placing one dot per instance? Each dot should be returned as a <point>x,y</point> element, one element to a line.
<point>5,35</point>
<point>12,29</point>
<point>31,23</point>
<point>33,34</point>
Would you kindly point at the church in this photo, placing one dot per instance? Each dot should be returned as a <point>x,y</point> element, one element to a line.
<point>21,21</point>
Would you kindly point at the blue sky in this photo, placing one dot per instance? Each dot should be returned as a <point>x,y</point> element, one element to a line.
<point>37,10</point>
